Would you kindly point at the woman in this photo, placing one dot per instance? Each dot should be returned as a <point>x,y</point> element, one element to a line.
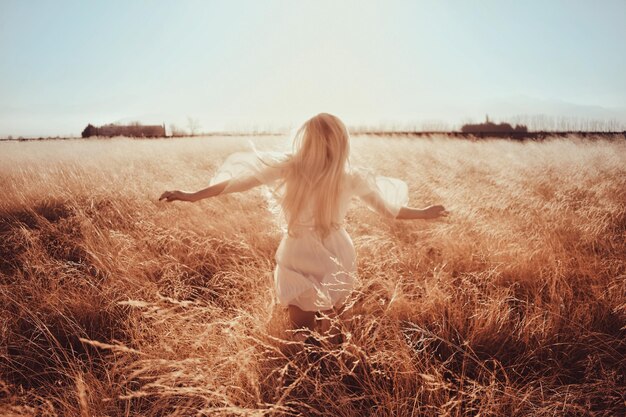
<point>316,260</point>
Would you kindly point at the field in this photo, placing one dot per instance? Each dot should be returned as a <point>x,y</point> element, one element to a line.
<point>112,303</point>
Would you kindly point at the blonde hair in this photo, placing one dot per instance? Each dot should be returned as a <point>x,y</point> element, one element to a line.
<point>315,172</point>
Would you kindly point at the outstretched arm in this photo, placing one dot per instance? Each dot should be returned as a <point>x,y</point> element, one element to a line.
<point>432,212</point>
<point>211,191</point>
<point>378,204</point>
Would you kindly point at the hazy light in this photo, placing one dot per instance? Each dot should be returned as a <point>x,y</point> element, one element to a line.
<point>273,64</point>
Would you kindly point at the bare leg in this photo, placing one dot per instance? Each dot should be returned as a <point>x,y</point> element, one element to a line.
<point>301,319</point>
<point>324,318</point>
<point>333,332</point>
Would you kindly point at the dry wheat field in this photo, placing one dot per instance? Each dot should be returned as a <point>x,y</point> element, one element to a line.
<point>114,304</point>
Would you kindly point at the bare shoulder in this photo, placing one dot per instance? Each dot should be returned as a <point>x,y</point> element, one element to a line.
<point>352,174</point>
<point>357,171</point>
<point>359,179</point>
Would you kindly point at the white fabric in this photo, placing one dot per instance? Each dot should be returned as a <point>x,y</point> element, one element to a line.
<point>311,273</point>
<point>241,167</point>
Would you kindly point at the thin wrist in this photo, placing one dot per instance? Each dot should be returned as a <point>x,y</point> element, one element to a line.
<point>426,213</point>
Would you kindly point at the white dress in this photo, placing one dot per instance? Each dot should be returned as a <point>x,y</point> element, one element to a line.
<point>311,273</point>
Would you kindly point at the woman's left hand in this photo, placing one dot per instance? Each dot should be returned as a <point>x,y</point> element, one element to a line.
<point>170,196</point>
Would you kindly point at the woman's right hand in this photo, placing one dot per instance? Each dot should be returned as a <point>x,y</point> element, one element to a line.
<point>175,195</point>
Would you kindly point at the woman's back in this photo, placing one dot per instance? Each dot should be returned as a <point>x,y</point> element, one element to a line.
<point>307,215</point>
<point>384,195</point>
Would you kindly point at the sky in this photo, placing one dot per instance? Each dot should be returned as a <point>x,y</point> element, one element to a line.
<point>272,64</point>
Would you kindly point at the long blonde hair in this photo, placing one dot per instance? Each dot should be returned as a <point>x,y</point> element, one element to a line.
<point>315,172</point>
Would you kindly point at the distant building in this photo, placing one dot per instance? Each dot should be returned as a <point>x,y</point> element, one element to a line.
<point>135,130</point>
<point>490,127</point>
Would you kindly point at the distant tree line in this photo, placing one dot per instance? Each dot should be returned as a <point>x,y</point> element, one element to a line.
<point>517,124</point>
<point>134,129</point>
<point>193,128</point>
<point>543,122</point>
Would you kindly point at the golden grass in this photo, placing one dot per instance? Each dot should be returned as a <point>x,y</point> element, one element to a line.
<point>114,304</point>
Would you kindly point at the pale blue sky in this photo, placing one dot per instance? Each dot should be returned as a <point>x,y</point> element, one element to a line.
<point>236,64</point>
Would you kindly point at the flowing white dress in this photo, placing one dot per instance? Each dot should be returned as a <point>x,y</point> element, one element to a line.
<point>311,273</point>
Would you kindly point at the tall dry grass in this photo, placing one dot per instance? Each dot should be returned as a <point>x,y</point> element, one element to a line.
<point>114,304</point>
